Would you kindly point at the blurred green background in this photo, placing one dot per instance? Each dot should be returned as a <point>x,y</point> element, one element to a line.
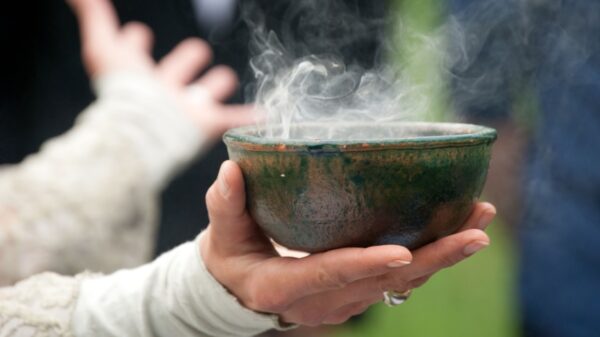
<point>472,299</point>
<point>477,297</point>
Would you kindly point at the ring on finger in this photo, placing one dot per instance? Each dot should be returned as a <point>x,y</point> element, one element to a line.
<point>393,298</point>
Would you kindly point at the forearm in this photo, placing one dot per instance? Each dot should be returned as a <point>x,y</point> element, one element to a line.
<point>173,296</point>
<point>89,198</point>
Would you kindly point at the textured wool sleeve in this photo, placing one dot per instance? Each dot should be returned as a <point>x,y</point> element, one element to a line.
<point>89,198</point>
<point>173,296</point>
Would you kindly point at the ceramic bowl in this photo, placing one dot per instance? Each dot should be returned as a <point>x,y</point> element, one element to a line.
<point>404,183</point>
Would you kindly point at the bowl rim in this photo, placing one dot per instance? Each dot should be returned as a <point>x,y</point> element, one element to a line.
<point>478,134</point>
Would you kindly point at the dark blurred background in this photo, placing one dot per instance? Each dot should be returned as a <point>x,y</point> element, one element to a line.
<point>44,88</point>
<point>43,85</point>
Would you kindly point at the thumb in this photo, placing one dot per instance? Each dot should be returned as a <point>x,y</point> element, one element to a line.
<point>230,223</point>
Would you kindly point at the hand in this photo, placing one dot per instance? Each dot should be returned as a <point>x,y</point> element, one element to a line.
<point>107,47</point>
<point>324,288</point>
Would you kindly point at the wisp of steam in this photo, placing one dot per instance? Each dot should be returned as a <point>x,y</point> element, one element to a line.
<point>311,76</point>
<point>312,71</point>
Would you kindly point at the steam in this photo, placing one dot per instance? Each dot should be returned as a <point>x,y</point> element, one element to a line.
<point>325,90</point>
<point>319,67</point>
<point>318,75</point>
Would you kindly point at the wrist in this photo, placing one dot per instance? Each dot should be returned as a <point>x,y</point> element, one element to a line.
<point>213,267</point>
<point>216,264</point>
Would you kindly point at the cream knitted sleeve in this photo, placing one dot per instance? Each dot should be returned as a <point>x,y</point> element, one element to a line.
<point>173,296</point>
<point>88,199</point>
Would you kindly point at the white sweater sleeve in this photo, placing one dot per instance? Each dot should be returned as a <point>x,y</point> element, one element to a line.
<point>173,296</point>
<point>89,198</point>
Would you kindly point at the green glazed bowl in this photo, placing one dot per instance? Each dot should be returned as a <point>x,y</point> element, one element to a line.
<point>400,183</point>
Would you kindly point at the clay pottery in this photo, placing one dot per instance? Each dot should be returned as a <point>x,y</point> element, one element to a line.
<point>401,183</point>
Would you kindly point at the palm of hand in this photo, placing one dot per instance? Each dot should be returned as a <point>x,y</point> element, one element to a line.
<point>107,47</point>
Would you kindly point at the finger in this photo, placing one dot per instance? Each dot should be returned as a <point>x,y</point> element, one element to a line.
<point>317,273</point>
<point>442,253</point>
<point>316,316</point>
<point>184,62</point>
<point>98,21</point>
<point>230,223</point>
<point>482,215</point>
<point>138,35</point>
<point>332,307</point>
<point>232,116</point>
<point>364,291</point>
<point>426,261</point>
<point>220,82</point>
<point>285,281</point>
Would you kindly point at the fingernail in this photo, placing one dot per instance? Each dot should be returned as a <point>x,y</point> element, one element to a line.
<point>223,185</point>
<point>474,247</point>
<point>485,220</point>
<point>398,263</point>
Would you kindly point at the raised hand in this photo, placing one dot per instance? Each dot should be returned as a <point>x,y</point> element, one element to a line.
<point>108,47</point>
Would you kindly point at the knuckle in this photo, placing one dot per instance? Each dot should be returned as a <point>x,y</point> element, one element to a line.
<point>449,259</point>
<point>330,280</point>
<point>446,255</point>
<point>268,301</point>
